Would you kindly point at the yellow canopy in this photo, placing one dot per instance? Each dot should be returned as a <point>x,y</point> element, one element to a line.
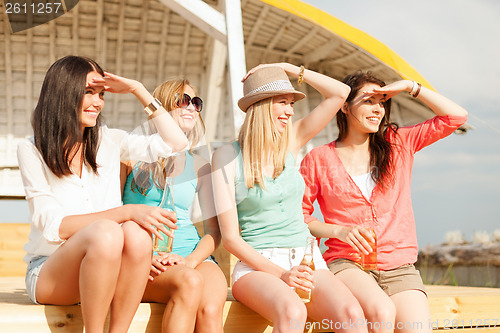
<point>353,35</point>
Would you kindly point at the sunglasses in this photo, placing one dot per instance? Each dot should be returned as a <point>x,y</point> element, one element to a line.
<point>185,100</point>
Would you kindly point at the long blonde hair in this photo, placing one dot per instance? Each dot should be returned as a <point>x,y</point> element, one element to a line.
<point>167,93</point>
<point>259,140</point>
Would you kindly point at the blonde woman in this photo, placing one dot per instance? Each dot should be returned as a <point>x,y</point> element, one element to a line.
<point>259,190</point>
<point>188,280</point>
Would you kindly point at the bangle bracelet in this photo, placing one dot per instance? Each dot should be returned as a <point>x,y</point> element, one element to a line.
<point>413,88</point>
<point>418,90</point>
<point>301,75</point>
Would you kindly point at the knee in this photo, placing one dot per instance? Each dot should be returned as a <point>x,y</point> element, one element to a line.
<point>106,240</point>
<point>210,310</point>
<point>385,312</point>
<point>293,312</point>
<point>188,287</point>
<point>353,312</point>
<point>137,242</point>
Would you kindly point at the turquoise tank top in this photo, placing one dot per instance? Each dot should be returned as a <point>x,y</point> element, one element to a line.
<point>186,236</point>
<point>272,217</point>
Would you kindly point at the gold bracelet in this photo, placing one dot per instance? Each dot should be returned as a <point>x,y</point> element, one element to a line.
<point>301,75</point>
<point>418,90</point>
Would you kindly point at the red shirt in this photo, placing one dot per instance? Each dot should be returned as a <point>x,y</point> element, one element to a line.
<point>388,212</point>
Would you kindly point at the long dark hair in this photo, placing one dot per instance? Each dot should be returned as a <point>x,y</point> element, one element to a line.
<point>56,118</point>
<point>381,150</point>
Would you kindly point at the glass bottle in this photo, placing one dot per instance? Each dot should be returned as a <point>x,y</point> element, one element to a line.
<point>167,202</point>
<point>309,262</point>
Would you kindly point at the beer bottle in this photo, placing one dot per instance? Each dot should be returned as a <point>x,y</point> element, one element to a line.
<point>309,262</point>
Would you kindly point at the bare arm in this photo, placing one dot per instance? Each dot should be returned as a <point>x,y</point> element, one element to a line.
<point>210,241</point>
<point>169,131</point>
<point>441,105</point>
<point>350,235</point>
<point>147,217</point>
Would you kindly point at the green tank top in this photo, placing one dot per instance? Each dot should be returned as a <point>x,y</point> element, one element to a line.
<point>272,217</point>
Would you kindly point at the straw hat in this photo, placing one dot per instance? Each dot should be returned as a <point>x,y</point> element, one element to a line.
<point>266,82</point>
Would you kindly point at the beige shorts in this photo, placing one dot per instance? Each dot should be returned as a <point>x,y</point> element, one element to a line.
<point>393,281</point>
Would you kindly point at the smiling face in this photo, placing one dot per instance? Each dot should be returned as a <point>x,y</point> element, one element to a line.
<point>282,111</point>
<point>365,112</point>
<point>186,117</point>
<point>92,103</point>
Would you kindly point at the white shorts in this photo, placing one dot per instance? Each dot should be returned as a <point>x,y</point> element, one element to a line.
<point>286,258</point>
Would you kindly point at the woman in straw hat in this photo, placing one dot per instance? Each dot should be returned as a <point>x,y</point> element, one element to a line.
<point>259,190</point>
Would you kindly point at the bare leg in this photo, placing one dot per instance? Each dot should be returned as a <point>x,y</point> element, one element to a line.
<point>180,287</point>
<point>273,299</point>
<point>412,312</point>
<point>84,269</point>
<point>332,300</point>
<point>133,276</point>
<point>209,316</point>
<point>377,306</point>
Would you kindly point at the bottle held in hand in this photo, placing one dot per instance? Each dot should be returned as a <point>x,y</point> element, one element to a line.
<point>309,262</point>
<point>167,202</point>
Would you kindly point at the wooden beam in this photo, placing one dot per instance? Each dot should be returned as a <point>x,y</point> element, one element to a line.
<point>322,51</point>
<point>52,41</point>
<point>163,45</point>
<point>140,52</point>
<point>292,58</point>
<point>257,25</point>
<point>185,49</point>
<point>279,34</point>
<point>215,86</point>
<point>119,57</point>
<point>201,15</point>
<point>75,25</point>
<point>236,58</point>
<point>313,32</point>
<point>28,100</point>
<point>99,32</point>
<point>8,76</point>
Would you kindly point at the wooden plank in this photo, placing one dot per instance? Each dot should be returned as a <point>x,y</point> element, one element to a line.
<point>201,15</point>
<point>13,236</point>
<point>236,59</point>
<point>468,306</point>
<point>479,305</point>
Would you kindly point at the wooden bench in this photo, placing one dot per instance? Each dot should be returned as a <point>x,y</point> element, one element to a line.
<point>465,308</point>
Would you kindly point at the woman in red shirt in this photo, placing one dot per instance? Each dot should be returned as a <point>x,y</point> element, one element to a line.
<point>362,184</point>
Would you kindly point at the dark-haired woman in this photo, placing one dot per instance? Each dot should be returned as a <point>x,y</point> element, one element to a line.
<point>84,246</point>
<point>362,181</point>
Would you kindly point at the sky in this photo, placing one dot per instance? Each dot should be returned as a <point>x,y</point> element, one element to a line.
<point>454,44</point>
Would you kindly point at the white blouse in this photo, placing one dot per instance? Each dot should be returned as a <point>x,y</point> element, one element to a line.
<point>51,198</point>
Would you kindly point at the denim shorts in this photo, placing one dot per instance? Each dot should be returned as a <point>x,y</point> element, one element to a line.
<point>211,259</point>
<point>32,273</point>
<point>286,258</point>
